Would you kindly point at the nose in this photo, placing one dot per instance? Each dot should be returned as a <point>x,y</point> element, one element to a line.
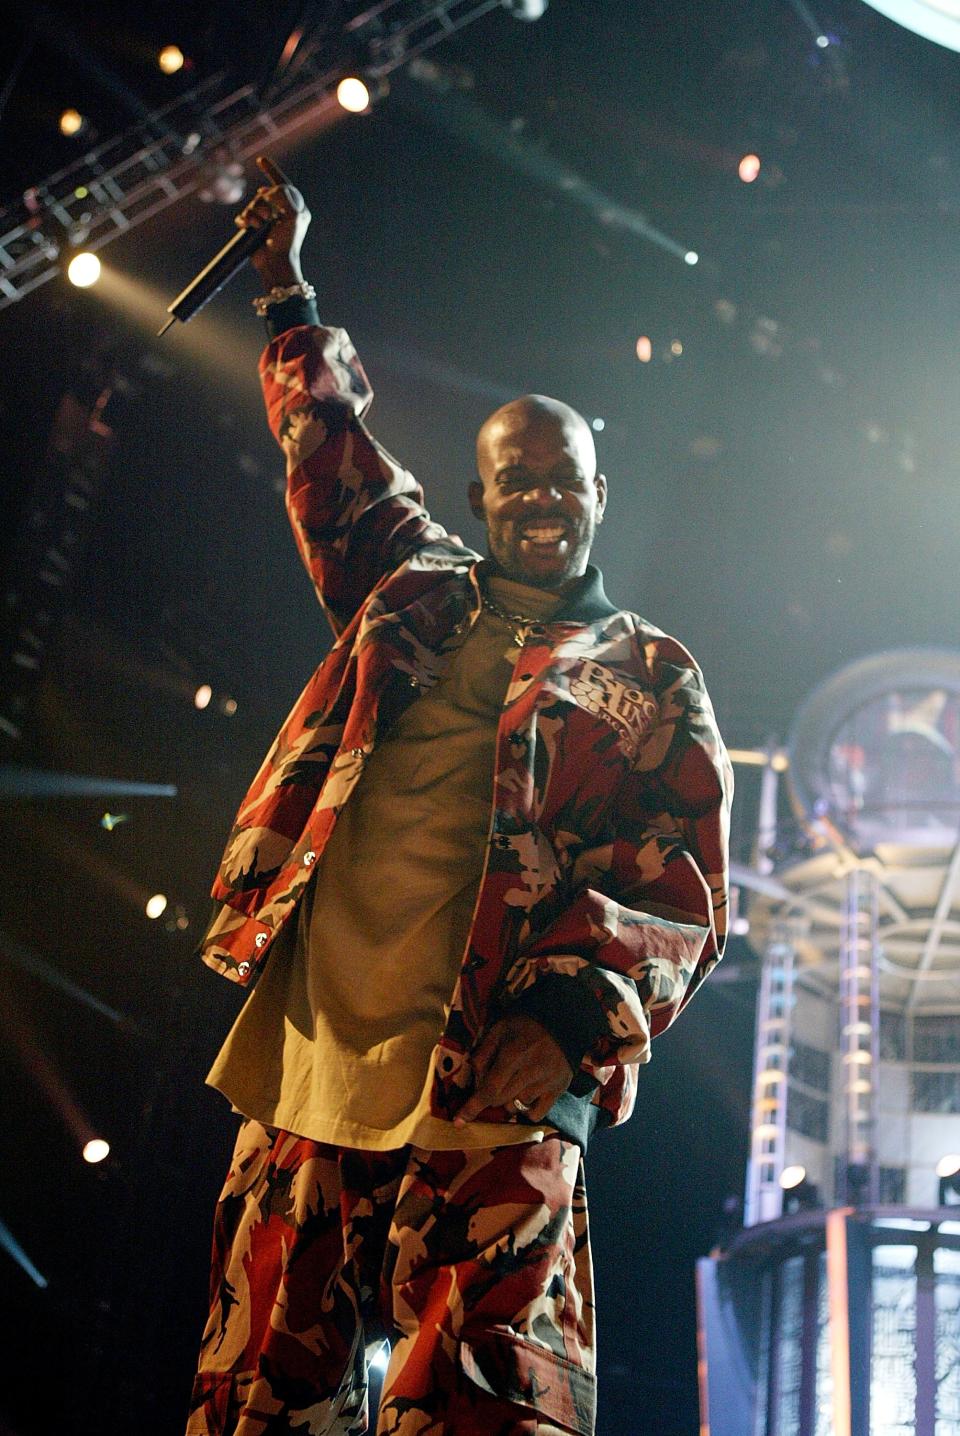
<point>544,492</point>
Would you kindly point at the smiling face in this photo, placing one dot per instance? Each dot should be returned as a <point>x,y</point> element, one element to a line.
<point>539,492</point>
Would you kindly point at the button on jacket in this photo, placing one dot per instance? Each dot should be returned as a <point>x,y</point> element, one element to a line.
<point>602,904</point>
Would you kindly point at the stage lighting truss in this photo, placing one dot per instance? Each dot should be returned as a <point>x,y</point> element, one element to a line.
<point>161,160</point>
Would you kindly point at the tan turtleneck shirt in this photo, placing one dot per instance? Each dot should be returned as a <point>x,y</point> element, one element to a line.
<point>335,1042</point>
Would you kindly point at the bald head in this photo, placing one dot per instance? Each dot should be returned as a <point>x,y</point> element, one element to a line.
<point>539,492</point>
<point>533,413</point>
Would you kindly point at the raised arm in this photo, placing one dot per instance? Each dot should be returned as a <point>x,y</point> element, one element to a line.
<point>356,513</point>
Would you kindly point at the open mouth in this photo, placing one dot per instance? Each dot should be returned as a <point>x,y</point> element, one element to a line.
<point>543,537</point>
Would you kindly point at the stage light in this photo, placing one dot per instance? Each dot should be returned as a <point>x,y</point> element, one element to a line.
<point>691,257</point>
<point>353,95</point>
<point>228,707</point>
<point>96,1150</point>
<point>597,425</point>
<point>676,348</point>
<point>170,59</point>
<point>71,122</point>
<point>823,41</point>
<point>799,1193</point>
<point>526,9</point>
<point>83,269</point>
<point>644,349</point>
<point>749,168</point>
<point>948,1189</point>
<point>201,699</point>
<point>156,906</point>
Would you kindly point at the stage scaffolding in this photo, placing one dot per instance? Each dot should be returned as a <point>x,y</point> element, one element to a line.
<point>172,153</point>
<point>836,1310</point>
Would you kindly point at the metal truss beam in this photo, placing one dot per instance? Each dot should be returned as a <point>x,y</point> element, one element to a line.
<point>160,161</point>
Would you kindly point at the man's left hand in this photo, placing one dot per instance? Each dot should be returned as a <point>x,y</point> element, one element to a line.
<point>517,1059</point>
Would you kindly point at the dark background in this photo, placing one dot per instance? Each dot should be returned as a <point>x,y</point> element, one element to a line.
<point>783,499</point>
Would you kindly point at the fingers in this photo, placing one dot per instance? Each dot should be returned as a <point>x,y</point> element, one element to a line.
<point>485,1053</point>
<point>539,1104</point>
<point>272,171</point>
<point>516,1059</point>
<point>279,181</point>
<point>274,203</point>
<point>501,1092</point>
<point>489,1072</point>
<point>259,211</point>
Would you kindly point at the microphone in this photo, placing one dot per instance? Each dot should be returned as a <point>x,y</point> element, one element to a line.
<point>217,273</point>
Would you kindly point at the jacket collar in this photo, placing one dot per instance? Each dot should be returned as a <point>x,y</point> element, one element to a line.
<point>586,603</point>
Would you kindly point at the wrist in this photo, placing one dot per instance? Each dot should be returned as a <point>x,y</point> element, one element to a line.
<point>278,274</point>
<point>283,294</point>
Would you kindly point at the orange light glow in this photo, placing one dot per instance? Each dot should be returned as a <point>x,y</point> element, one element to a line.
<point>171,59</point>
<point>353,95</point>
<point>71,122</point>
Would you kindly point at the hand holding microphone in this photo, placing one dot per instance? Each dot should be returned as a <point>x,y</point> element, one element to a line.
<point>280,208</point>
<point>270,231</point>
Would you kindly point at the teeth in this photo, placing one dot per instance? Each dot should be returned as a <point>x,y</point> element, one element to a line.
<point>544,534</point>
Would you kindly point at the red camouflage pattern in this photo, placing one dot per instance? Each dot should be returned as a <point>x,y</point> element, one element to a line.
<point>607,859</point>
<point>475,1265</point>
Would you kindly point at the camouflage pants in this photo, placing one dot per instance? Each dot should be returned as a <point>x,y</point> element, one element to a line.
<point>475,1265</point>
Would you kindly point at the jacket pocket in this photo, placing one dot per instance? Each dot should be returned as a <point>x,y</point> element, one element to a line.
<point>508,1366</point>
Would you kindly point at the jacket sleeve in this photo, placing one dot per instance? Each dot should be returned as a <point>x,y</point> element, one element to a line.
<point>356,513</point>
<point>647,917</point>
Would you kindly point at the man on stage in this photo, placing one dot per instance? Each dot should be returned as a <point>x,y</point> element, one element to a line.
<point>483,863</point>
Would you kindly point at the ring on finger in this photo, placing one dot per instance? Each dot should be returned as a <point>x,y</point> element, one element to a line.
<point>522,1106</point>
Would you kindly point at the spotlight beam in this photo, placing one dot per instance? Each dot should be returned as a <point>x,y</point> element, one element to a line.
<point>18,782</point>
<point>806,17</point>
<point>13,1249</point>
<point>34,965</point>
<point>810,23</point>
<point>132,177</point>
<point>462,117</point>
<point>39,1064</point>
<point>413,361</point>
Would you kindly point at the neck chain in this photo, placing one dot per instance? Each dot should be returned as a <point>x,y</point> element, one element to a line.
<point>520,623</point>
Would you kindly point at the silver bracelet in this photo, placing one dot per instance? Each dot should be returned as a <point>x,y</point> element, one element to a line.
<point>280,292</point>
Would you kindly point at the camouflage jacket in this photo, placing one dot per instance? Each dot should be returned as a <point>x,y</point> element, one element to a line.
<point>602,903</point>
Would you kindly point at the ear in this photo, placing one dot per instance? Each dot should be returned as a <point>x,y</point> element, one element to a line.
<point>600,483</point>
<point>475,495</point>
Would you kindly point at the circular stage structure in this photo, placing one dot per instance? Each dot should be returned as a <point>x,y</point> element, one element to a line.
<point>837,1308</point>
